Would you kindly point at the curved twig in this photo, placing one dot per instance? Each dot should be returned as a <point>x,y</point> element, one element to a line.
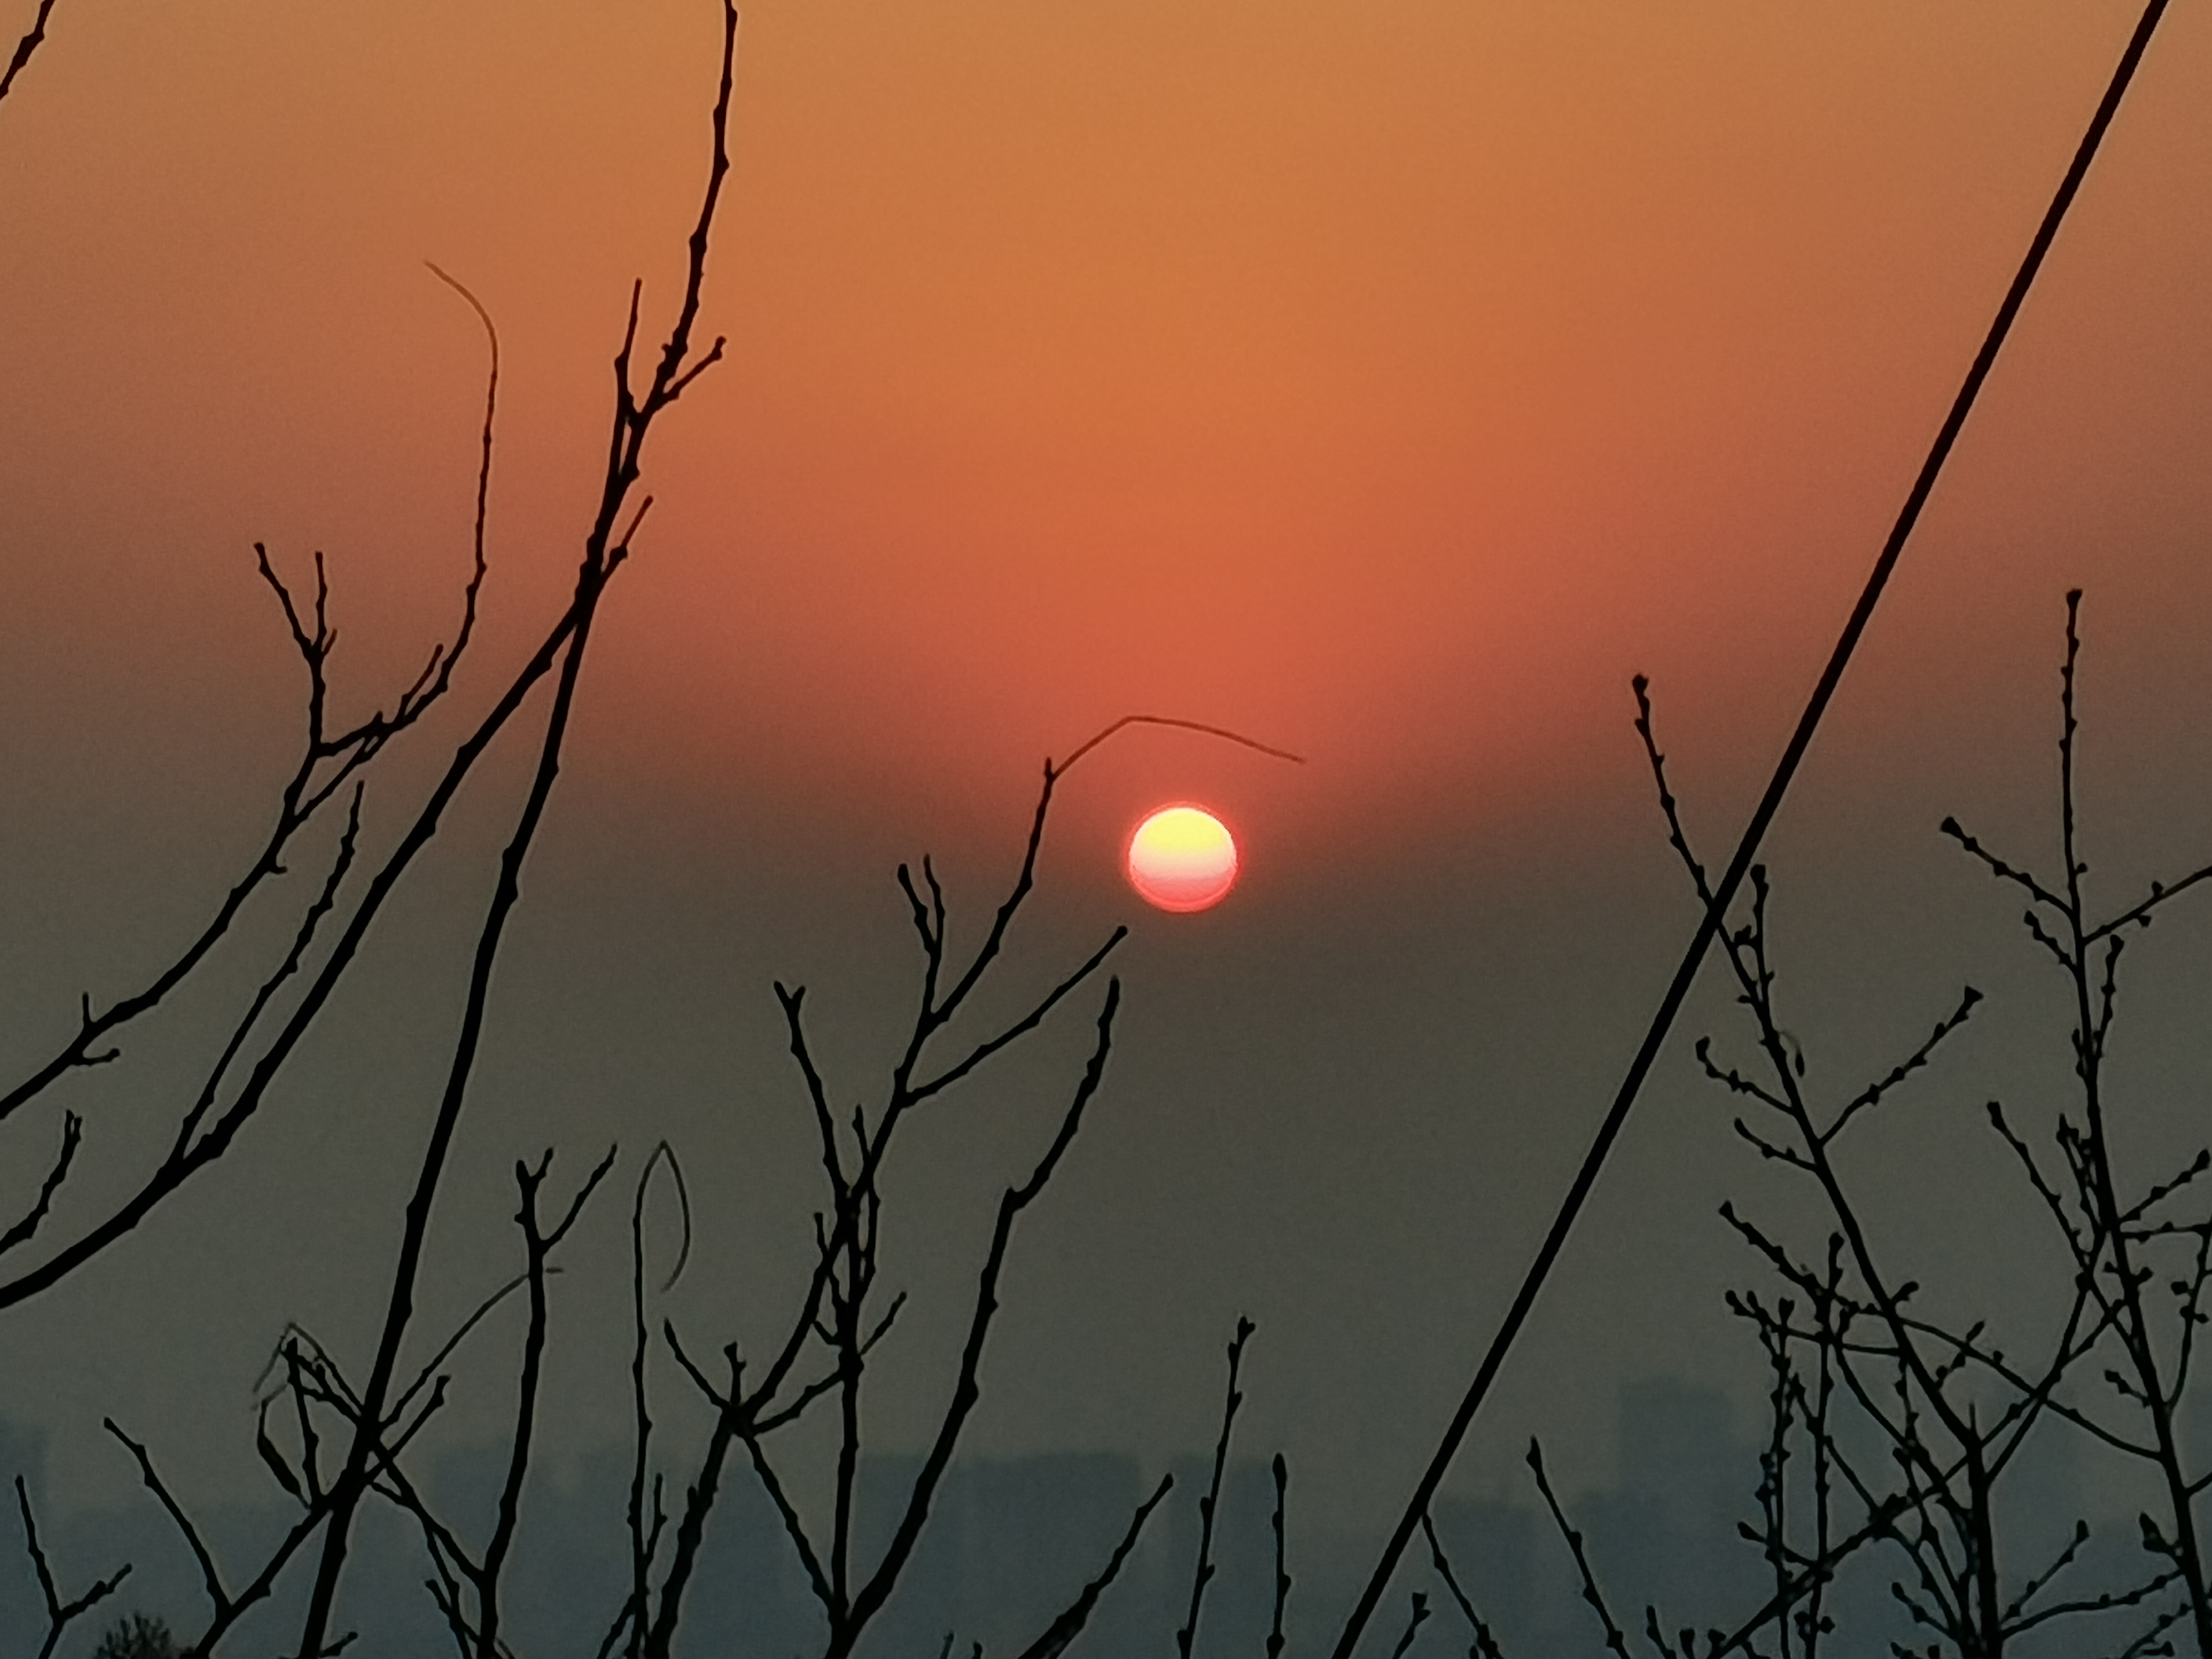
<point>1173,722</point>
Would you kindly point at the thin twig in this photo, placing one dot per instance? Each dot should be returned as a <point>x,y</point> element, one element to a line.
<point>59,1613</point>
<point>1202,1569</point>
<point>1091,742</point>
<point>1281,1471</point>
<point>631,427</point>
<point>1711,923</point>
<point>26,46</point>
<point>1615,1641</point>
<point>1069,1625</point>
<point>1485,1643</point>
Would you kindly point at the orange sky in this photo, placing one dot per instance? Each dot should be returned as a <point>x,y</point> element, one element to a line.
<point>1391,381</point>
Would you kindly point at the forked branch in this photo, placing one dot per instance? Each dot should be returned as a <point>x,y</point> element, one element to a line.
<point>60,1614</point>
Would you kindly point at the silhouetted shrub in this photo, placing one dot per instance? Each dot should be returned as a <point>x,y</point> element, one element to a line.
<point>138,1638</point>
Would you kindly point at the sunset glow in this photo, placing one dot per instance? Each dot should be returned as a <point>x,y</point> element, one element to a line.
<point>1397,390</point>
<point>1183,859</point>
<point>1092,441</point>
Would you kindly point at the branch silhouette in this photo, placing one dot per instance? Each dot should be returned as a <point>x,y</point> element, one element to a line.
<point>330,762</point>
<point>1711,924</point>
<point>33,39</point>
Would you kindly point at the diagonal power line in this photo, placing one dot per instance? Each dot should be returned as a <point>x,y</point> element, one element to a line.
<point>1755,832</point>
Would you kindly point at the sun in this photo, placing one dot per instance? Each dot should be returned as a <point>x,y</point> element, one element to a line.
<point>1183,859</point>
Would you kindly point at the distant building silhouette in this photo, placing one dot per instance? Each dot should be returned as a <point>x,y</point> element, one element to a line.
<point>1011,1541</point>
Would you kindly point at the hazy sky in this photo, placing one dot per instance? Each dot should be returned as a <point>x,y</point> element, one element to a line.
<point>1389,381</point>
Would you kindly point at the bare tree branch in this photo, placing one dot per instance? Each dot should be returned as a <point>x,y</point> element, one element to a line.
<point>1069,1625</point>
<point>1202,1572</point>
<point>30,42</point>
<point>59,1613</point>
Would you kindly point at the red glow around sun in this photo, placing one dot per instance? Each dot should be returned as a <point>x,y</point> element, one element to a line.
<point>1183,859</point>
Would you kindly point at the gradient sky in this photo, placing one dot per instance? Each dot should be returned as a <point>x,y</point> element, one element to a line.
<point>1388,381</point>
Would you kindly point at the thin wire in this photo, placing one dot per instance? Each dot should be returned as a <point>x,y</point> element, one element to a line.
<point>1747,849</point>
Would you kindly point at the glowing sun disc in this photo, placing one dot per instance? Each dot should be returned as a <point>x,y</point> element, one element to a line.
<point>1183,859</point>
